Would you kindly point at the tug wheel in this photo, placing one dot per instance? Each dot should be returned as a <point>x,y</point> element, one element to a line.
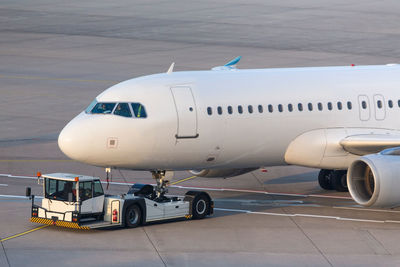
<point>133,216</point>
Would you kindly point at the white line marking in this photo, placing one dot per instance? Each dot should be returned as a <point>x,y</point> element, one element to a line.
<point>307,215</point>
<point>208,188</point>
<point>3,184</point>
<point>366,209</point>
<point>15,196</point>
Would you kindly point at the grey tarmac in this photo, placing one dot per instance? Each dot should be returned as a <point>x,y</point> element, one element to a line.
<point>56,56</point>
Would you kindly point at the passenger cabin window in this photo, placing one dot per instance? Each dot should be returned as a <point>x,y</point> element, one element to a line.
<point>139,110</point>
<point>320,106</point>
<point>310,107</point>
<point>379,103</point>
<point>260,109</point>
<point>398,103</point>
<point>123,110</point>
<point>330,107</point>
<point>390,104</point>
<point>280,108</point>
<point>219,110</point>
<point>364,104</point>
<point>250,108</point>
<point>230,110</point>
<point>339,105</point>
<point>209,111</point>
<point>240,109</point>
<point>300,107</point>
<point>270,108</point>
<point>290,107</point>
<point>103,108</point>
<point>349,105</point>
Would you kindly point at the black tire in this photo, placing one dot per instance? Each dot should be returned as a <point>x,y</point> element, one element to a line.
<point>339,181</point>
<point>324,179</point>
<point>200,206</point>
<point>133,216</point>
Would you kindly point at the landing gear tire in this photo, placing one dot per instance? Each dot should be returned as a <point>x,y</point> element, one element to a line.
<point>339,181</point>
<point>133,216</point>
<point>325,179</point>
<point>200,207</point>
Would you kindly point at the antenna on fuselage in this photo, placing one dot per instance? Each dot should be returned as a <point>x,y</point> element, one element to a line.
<point>171,68</point>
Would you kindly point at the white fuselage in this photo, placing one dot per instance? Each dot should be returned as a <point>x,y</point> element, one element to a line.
<point>179,134</point>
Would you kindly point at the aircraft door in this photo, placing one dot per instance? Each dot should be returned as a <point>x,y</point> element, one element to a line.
<point>379,103</point>
<point>186,110</point>
<point>364,107</point>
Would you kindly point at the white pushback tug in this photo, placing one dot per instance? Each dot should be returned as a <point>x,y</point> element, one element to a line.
<point>78,201</point>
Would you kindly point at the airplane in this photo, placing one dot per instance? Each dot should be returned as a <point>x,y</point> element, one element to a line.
<point>227,121</point>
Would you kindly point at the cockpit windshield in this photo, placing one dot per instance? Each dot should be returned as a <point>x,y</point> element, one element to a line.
<point>103,108</point>
<point>128,110</point>
<point>122,109</point>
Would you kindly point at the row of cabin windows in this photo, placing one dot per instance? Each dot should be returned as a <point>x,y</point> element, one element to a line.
<point>291,107</point>
<point>270,108</point>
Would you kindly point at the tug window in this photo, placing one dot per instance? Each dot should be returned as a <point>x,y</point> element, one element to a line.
<point>123,110</point>
<point>230,110</point>
<point>139,110</point>
<point>209,111</point>
<point>240,109</point>
<point>260,109</point>
<point>59,189</point>
<point>97,189</point>
<point>103,108</point>
<point>85,190</point>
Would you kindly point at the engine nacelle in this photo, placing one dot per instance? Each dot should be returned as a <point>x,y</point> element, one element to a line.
<point>221,173</point>
<point>374,180</point>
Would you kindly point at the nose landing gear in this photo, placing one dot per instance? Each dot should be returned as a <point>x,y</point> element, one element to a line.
<point>162,183</point>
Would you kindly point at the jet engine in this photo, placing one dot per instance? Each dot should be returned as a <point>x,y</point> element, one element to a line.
<point>374,180</point>
<point>221,173</point>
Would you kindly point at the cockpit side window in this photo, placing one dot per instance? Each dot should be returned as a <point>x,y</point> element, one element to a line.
<point>103,108</point>
<point>122,109</point>
<point>139,110</point>
<point>90,107</point>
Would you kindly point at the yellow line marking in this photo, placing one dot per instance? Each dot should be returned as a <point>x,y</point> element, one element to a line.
<point>35,160</point>
<point>182,180</point>
<point>24,233</point>
<point>55,79</point>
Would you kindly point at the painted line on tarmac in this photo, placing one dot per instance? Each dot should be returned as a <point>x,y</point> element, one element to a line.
<point>307,216</point>
<point>54,79</point>
<point>210,189</point>
<point>24,233</point>
<point>3,184</point>
<point>366,209</point>
<point>16,196</point>
<point>36,160</point>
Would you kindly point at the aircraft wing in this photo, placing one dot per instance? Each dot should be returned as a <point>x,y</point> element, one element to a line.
<point>364,144</point>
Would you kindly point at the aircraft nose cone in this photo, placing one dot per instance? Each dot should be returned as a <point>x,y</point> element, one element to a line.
<point>74,142</point>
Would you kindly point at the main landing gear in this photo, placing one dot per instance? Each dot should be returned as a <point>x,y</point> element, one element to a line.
<point>333,180</point>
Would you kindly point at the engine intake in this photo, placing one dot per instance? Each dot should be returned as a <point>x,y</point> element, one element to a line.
<point>374,181</point>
